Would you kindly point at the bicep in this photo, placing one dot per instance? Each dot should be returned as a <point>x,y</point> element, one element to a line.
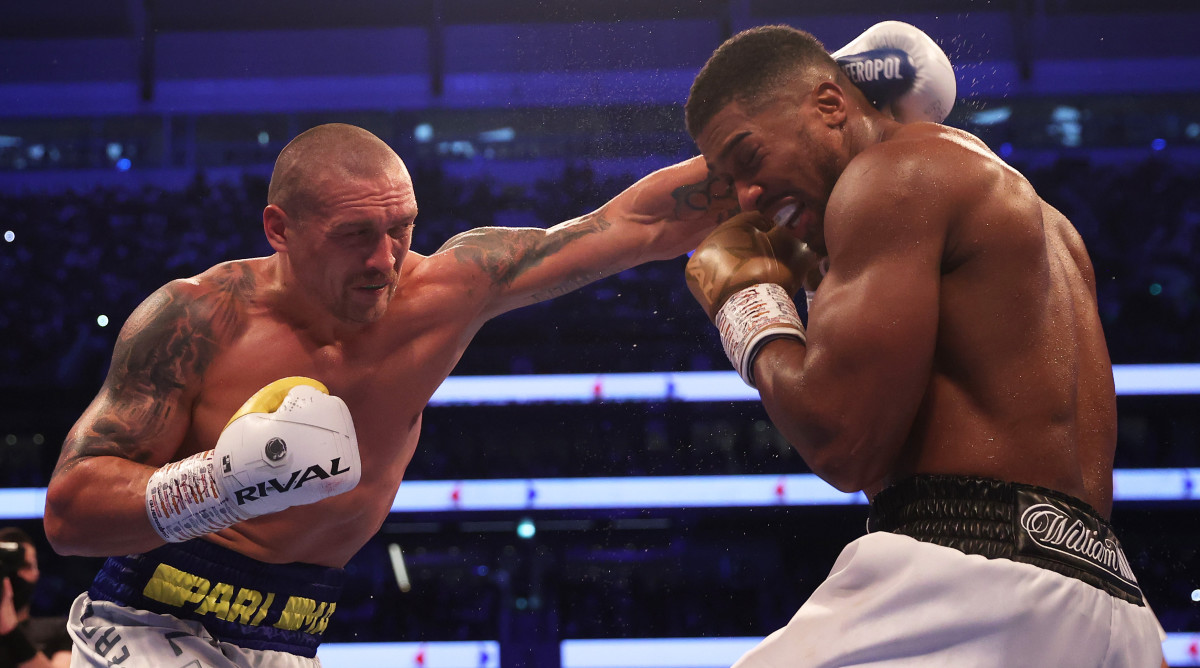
<point>872,338</point>
<point>876,312</point>
<point>849,402</point>
<point>521,266</point>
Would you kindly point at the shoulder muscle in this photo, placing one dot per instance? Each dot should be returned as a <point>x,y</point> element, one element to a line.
<point>161,354</point>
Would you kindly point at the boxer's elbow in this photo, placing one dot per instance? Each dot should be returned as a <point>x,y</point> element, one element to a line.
<point>58,534</point>
<point>837,453</point>
<point>844,471</point>
<point>842,447</point>
<point>67,529</point>
<point>57,523</point>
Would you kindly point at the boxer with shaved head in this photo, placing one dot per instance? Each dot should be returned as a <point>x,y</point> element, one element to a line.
<point>257,419</point>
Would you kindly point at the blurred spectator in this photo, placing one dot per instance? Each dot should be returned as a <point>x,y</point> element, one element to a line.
<point>26,641</point>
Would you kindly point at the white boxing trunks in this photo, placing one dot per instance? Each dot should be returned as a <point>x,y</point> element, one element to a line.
<point>947,577</point>
<point>198,604</point>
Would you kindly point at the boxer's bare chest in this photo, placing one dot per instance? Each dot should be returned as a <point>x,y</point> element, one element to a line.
<point>385,375</point>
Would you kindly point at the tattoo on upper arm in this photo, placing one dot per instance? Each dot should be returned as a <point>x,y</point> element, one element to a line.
<point>713,193</point>
<point>170,342</point>
<point>507,253</point>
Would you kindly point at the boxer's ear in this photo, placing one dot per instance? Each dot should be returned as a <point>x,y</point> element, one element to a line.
<point>830,100</point>
<point>275,226</point>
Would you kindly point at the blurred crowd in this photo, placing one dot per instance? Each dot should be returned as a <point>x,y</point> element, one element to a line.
<point>76,257</point>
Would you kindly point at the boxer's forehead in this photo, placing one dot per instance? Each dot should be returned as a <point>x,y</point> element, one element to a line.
<point>729,127</point>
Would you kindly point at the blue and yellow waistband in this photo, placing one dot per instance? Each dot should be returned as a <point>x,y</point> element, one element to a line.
<point>252,604</point>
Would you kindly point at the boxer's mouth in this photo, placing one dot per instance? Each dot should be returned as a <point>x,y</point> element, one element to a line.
<point>788,215</point>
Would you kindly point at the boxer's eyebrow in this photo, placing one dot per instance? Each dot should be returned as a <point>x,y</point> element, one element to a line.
<point>737,139</point>
<point>350,226</point>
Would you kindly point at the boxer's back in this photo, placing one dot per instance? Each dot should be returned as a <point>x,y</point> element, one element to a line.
<point>1021,387</point>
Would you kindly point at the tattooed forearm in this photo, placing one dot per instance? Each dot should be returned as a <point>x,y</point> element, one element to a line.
<point>564,287</point>
<point>712,194</point>
<point>168,344</point>
<point>507,253</point>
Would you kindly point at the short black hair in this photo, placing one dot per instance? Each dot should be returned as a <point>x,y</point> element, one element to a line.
<point>748,66</point>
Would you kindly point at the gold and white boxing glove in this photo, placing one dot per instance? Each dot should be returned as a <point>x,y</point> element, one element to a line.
<point>290,444</point>
<point>744,275</point>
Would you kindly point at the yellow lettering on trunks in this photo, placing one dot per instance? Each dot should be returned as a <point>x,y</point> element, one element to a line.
<point>322,620</point>
<point>243,606</point>
<point>178,589</point>
<point>297,612</point>
<point>175,587</point>
<point>262,612</point>
<point>217,601</point>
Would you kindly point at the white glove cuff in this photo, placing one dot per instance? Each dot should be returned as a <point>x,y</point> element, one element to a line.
<point>750,318</point>
<point>184,500</point>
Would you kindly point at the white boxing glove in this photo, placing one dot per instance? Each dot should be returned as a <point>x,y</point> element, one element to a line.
<point>901,71</point>
<point>290,444</point>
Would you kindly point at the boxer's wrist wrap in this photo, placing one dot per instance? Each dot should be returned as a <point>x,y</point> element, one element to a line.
<point>183,500</point>
<point>750,318</point>
<point>17,646</point>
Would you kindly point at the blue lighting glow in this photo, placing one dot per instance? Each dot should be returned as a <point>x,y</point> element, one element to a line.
<point>611,653</point>
<point>668,492</point>
<point>710,386</point>
<point>476,654</point>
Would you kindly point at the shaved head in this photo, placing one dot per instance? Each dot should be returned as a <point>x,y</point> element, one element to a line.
<point>323,156</point>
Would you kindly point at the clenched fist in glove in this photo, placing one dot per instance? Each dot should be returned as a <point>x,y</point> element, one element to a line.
<point>290,444</point>
<point>744,275</point>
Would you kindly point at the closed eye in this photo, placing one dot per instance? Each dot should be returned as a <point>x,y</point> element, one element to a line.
<point>747,162</point>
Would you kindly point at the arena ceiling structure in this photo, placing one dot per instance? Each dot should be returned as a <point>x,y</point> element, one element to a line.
<point>75,57</point>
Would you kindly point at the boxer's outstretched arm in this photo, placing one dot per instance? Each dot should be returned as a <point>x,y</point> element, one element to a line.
<point>95,504</point>
<point>661,216</point>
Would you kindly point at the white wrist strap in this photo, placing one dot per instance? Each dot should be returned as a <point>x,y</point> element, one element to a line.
<point>750,318</point>
<point>183,500</point>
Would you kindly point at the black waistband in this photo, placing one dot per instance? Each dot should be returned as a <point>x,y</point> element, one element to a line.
<point>240,600</point>
<point>1002,520</point>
